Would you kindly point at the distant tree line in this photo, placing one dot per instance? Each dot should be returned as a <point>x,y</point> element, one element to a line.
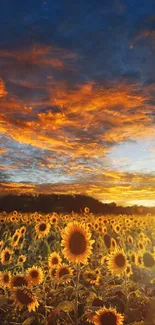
<point>66,204</point>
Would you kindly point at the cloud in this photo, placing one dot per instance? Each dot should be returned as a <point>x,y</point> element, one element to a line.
<point>74,85</point>
<point>121,188</point>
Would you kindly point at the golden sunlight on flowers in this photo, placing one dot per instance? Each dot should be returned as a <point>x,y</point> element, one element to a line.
<point>54,259</point>
<point>77,243</point>
<point>42,229</point>
<point>117,262</point>
<point>108,316</point>
<point>23,297</point>
<point>6,256</point>
<point>34,275</point>
<point>5,278</point>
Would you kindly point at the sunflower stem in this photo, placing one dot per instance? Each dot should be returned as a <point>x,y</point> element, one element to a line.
<point>45,300</point>
<point>77,292</point>
<point>126,292</point>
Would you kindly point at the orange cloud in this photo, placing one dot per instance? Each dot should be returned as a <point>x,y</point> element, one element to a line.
<point>80,124</point>
<point>121,188</point>
<point>3,91</point>
<point>89,121</point>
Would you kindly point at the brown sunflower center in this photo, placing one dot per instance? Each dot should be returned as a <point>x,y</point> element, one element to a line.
<point>108,318</point>
<point>6,278</point>
<point>15,238</point>
<point>133,258</point>
<point>63,271</point>
<point>120,260</point>
<point>7,256</point>
<point>148,259</point>
<point>24,296</point>
<point>19,281</point>
<point>77,243</point>
<point>53,272</point>
<point>107,240</point>
<point>34,274</point>
<point>128,269</point>
<point>139,259</point>
<point>91,276</point>
<point>55,260</point>
<point>42,227</point>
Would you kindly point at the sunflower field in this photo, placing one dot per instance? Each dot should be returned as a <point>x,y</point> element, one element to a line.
<point>77,269</point>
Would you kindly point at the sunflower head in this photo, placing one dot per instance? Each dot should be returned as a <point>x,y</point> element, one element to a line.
<point>92,277</point>
<point>130,239</point>
<point>1,244</point>
<point>128,271</point>
<point>42,229</point>
<point>22,230</point>
<point>133,257</point>
<point>107,240</point>
<point>77,243</point>
<point>54,259</point>
<point>21,259</point>
<point>52,272</point>
<point>117,262</point>
<point>23,297</point>
<point>63,273</point>
<point>18,280</point>
<point>5,278</point>
<point>6,256</point>
<point>148,259</point>
<point>34,275</point>
<point>15,239</point>
<point>108,316</point>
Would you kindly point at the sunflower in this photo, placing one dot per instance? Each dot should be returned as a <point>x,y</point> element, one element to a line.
<point>92,277</point>
<point>23,297</point>
<point>108,316</point>
<point>1,244</point>
<point>140,245</point>
<point>21,259</point>
<point>5,278</point>
<point>130,239</point>
<point>139,261</point>
<point>18,280</point>
<point>104,230</point>
<point>42,229</point>
<point>22,230</point>
<point>117,262</point>
<point>6,256</point>
<point>117,228</point>
<point>63,273</point>
<point>86,210</point>
<point>103,260</point>
<point>128,271</point>
<point>107,240</point>
<point>77,243</point>
<point>148,259</point>
<point>113,244</point>
<point>133,257</point>
<point>54,259</point>
<point>34,275</point>
<point>52,272</point>
<point>15,239</point>
<point>54,220</point>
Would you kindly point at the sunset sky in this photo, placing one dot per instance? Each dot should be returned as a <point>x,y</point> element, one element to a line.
<point>77,98</point>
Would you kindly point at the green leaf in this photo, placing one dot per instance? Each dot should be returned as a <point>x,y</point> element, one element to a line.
<point>66,306</point>
<point>28,321</point>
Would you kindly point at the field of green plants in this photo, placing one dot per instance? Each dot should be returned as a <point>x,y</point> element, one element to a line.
<point>77,269</point>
